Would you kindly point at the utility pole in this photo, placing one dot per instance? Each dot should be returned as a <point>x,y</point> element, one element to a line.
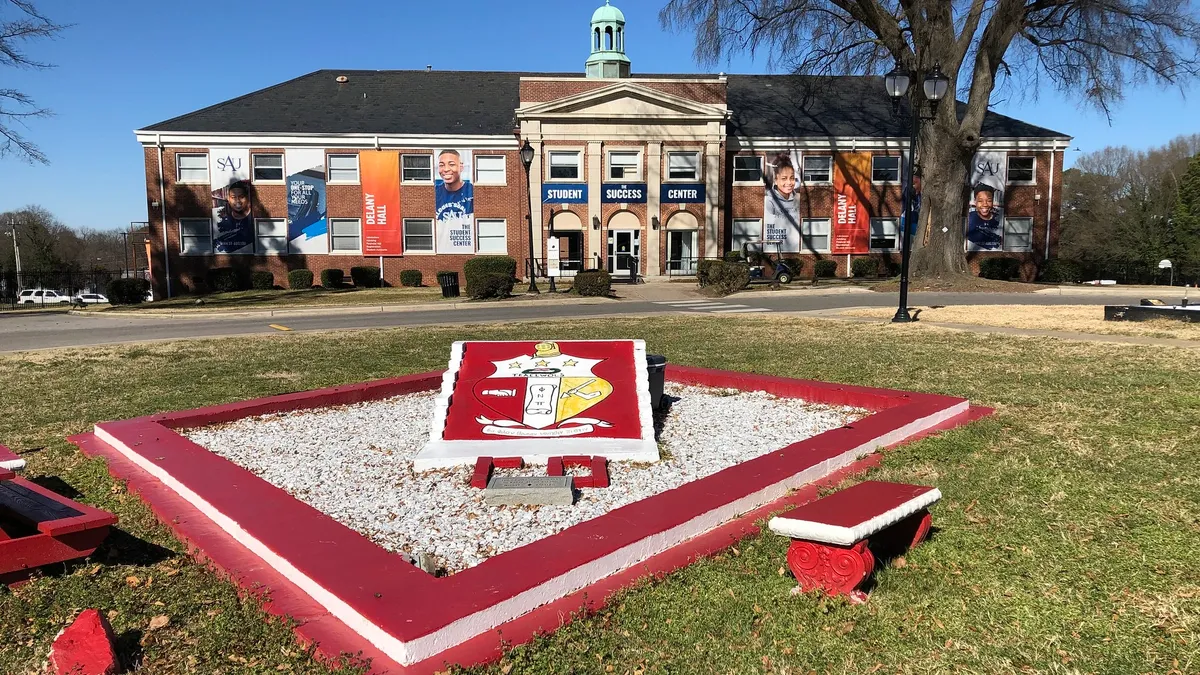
<point>12,226</point>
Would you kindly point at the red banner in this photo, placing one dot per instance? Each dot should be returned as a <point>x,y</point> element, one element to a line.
<point>381,231</point>
<point>851,218</point>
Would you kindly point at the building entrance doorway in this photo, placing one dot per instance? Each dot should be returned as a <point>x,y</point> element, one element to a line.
<point>681,252</point>
<point>570,252</point>
<point>624,251</point>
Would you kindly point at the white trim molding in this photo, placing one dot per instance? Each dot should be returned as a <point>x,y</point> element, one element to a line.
<point>191,139</point>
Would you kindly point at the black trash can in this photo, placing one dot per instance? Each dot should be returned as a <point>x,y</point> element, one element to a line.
<point>656,366</point>
<point>449,283</point>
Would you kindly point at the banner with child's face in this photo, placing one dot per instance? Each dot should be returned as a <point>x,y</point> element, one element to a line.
<point>233,222</point>
<point>454,201</point>
<point>781,203</point>
<point>985,221</point>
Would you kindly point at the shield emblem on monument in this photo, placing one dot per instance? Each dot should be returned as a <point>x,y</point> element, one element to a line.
<point>542,394</point>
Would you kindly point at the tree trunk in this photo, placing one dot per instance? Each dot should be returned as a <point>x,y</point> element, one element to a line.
<point>945,161</point>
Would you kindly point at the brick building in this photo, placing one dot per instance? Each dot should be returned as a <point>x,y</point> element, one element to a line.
<point>337,169</point>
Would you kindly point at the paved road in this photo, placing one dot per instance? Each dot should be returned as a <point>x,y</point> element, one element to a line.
<point>46,331</point>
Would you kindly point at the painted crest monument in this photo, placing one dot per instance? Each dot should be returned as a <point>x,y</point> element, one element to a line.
<point>536,400</point>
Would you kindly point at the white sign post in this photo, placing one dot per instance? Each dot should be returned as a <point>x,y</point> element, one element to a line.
<point>552,264</point>
<point>1166,264</point>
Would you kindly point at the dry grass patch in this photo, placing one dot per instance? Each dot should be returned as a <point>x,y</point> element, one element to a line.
<point>1070,318</point>
<point>965,284</point>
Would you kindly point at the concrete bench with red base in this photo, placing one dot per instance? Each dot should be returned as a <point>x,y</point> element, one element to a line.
<point>832,537</point>
<point>39,527</point>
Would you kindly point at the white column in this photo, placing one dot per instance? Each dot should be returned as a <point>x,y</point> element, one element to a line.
<point>535,196</point>
<point>712,198</point>
<point>595,173</point>
<point>653,194</point>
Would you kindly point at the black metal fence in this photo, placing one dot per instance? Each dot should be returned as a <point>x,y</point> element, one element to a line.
<point>682,267</point>
<point>65,282</point>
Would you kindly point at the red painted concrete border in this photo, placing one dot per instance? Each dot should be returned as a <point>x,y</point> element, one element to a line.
<point>370,581</point>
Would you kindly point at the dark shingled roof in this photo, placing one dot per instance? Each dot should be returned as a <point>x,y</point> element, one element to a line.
<point>483,102</point>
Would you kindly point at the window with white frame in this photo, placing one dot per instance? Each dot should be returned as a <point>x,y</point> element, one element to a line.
<point>416,168</point>
<point>683,165</point>
<point>885,234</point>
<point>1018,234</point>
<point>745,231</point>
<point>817,168</point>
<point>1021,170</point>
<point>885,169</point>
<point>195,236</point>
<point>747,168</point>
<point>272,236</point>
<point>343,168</point>
<point>268,168</point>
<point>564,165</point>
<point>191,168</point>
<point>493,235</point>
<point>489,170</point>
<point>345,234</point>
<point>418,235</point>
<point>624,164</point>
<point>814,234</point>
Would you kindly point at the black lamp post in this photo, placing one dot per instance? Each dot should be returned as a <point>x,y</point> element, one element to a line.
<point>527,161</point>
<point>935,87</point>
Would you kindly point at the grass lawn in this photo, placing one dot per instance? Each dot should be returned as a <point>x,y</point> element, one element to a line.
<point>1066,541</point>
<point>1074,318</point>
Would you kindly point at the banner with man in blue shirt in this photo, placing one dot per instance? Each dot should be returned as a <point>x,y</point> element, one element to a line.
<point>454,199</point>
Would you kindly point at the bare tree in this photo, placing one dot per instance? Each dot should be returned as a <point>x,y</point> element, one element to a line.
<point>1090,49</point>
<point>17,27</point>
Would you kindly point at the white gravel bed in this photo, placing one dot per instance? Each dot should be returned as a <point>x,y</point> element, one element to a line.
<point>354,463</point>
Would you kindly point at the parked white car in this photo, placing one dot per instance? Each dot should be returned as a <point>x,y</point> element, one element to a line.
<point>38,296</point>
<point>88,299</point>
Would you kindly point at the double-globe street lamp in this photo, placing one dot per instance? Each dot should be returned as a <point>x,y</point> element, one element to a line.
<point>527,161</point>
<point>935,87</point>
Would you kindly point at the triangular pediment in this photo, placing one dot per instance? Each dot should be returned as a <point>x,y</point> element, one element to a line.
<point>622,100</point>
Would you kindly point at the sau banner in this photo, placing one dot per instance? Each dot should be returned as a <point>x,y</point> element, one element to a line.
<point>233,223</point>
<point>381,202</point>
<point>781,204</point>
<point>308,230</point>
<point>454,199</point>
<point>985,220</point>
<point>851,221</point>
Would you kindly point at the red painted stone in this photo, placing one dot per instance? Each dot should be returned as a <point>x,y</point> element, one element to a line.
<point>483,473</point>
<point>599,472</point>
<point>554,467</point>
<point>85,647</point>
<point>508,463</point>
<point>5,474</point>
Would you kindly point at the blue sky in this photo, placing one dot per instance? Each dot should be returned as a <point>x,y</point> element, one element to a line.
<point>129,63</point>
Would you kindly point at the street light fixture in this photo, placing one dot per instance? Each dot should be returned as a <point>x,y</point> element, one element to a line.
<point>935,87</point>
<point>527,161</point>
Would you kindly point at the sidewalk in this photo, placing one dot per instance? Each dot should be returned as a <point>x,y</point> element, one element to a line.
<point>836,315</point>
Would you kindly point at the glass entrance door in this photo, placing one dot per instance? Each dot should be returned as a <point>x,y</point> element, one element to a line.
<point>570,252</point>
<point>681,252</point>
<point>624,251</point>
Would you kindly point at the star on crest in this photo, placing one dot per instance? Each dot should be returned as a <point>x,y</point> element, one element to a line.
<point>514,365</point>
<point>570,363</point>
<point>542,364</point>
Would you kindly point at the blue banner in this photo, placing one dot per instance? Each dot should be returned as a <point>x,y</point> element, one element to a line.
<point>564,193</point>
<point>308,230</point>
<point>683,193</point>
<point>623,193</point>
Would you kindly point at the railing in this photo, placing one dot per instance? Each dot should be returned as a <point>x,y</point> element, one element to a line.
<point>66,283</point>
<point>566,268</point>
<point>682,267</point>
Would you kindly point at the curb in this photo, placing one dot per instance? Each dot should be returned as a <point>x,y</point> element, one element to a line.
<point>353,309</point>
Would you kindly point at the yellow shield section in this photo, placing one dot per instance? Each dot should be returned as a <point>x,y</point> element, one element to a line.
<point>579,394</point>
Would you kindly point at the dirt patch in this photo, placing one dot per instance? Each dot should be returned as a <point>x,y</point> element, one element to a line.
<point>960,285</point>
<point>1069,318</point>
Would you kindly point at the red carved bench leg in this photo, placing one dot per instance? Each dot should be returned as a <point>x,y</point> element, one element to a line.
<point>839,570</point>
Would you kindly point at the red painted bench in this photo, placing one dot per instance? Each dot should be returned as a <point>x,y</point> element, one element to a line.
<point>831,537</point>
<point>10,460</point>
<point>39,527</point>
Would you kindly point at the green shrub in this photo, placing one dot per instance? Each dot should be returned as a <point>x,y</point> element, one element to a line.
<point>593,283</point>
<point>492,286</point>
<point>824,269</point>
<point>703,269</point>
<point>300,279</point>
<point>864,267</point>
<point>126,291</point>
<point>410,278</point>
<point>332,278</point>
<point>1057,270</point>
<point>262,280</point>
<point>478,268</point>
<point>226,279</point>
<point>1003,269</point>
<point>365,276</point>
<point>733,256</point>
<point>727,277</point>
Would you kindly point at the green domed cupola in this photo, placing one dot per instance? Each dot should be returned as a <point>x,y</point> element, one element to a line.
<point>608,44</point>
